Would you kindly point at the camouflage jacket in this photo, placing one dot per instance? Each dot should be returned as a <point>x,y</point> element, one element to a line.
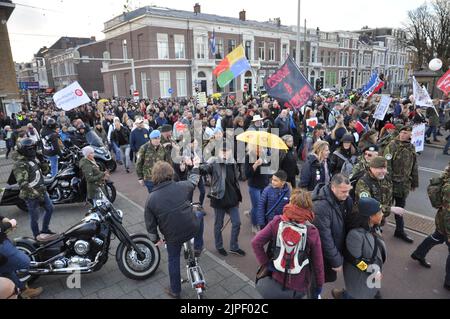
<point>381,190</point>
<point>147,156</point>
<point>402,167</point>
<point>29,177</point>
<point>442,218</point>
<point>385,141</point>
<point>360,166</point>
<point>93,175</point>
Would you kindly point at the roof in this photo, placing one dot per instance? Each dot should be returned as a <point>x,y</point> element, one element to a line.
<point>69,42</point>
<point>188,15</point>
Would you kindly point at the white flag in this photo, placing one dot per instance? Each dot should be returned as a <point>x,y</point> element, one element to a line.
<point>71,97</point>
<point>421,95</point>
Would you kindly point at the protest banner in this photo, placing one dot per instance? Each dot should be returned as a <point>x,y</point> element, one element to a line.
<point>382,107</point>
<point>71,97</point>
<point>418,137</point>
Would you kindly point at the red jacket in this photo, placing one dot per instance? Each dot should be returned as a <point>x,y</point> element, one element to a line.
<point>299,282</point>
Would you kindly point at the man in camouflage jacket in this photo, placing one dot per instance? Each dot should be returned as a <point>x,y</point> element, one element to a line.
<point>404,172</point>
<point>442,232</point>
<point>29,176</point>
<point>150,153</point>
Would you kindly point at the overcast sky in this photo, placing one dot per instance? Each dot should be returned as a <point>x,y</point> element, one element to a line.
<point>33,28</point>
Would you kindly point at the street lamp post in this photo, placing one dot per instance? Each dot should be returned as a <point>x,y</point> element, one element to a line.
<point>298,34</point>
<point>76,57</point>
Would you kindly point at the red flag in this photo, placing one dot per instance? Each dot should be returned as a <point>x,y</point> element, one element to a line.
<point>444,83</point>
<point>359,127</point>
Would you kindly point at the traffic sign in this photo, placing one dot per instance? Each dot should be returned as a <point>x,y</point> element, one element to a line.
<point>170,91</point>
<point>136,93</point>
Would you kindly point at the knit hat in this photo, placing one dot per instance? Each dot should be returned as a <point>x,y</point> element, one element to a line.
<point>405,128</point>
<point>155,134</point>
<point>368,206</point>
<point>389,126</point>
<point>347,138</point>
<point>166,128</point>
<point>378,162</point>
<point>371,148</point>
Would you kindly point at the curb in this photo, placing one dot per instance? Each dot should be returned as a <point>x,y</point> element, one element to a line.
<point>437,146</point>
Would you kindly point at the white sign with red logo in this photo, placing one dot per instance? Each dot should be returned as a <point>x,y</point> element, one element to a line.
<point>71,97</point>
<point>312,122</point>
<point>444,83</point>
<point>418,137</point>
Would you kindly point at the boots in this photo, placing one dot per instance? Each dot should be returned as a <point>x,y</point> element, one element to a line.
<point>29,293</point>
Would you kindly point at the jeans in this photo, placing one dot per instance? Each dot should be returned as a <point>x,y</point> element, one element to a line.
<point>431,130</point>
<point>431,241</point>
<point>202,190</point>
<point>399,221</point>
<point>125,153</point>
<point>149,185</point>
<point>447,146</point>
<point>173,251</point>
<point>34,208</point>
<point>255,195</point>
<point>53,164</point>
<point>16,260</point>
<point>117,152</point>
<point>235,226</point>
<point>198,239</point>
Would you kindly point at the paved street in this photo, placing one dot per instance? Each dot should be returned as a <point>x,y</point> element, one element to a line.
<point>232,276</point>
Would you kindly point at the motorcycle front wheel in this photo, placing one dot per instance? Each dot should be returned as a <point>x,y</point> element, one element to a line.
<point>27,250</point>
<point>111,165</point>
<point>129,262</point>
<point>110,192</point>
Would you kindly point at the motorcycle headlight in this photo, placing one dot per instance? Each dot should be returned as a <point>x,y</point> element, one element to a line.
<point>120,213</point>
<point>100,151</point>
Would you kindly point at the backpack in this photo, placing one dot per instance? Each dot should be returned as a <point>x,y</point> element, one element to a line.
<point>434,191</point>
<point>289,252</point>
<point>347,167</point>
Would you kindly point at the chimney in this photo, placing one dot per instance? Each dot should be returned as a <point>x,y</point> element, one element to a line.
<point>197,8</point>
<point>242,15</point>
<point>93,39</point>
<point>278,21</point>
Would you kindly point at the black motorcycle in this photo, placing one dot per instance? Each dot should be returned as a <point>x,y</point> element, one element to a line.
<point>67,187</point>
<point>84,247</point>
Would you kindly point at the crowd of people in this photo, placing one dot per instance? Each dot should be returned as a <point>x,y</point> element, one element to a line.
<point>355,172</point>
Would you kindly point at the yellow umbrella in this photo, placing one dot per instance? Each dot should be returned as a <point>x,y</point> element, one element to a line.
<point>103,101</point>
<point>263,139</point>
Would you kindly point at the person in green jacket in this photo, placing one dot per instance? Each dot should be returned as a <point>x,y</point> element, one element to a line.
<point>95,178</point>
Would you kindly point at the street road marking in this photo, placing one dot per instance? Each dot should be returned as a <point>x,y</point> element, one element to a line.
<point>430,170</point>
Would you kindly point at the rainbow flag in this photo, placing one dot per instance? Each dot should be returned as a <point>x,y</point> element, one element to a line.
<point>234,64</point>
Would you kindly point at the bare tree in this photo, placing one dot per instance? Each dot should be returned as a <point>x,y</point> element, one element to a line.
<point>428,32</point>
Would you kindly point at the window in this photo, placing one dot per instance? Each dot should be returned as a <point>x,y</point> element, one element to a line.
<point>330,78</point>
<point>124,50</point>
<point>314,54</point>
<point>294,54</point>
<point>179,46</point>
<point>347,43</point>
<point>164,84</point>
<point>341,58</point>
<point>181,83</point>
<point>140,44</point>
<point>248,50</point>
<point>219,49</point>
<point>353,59</point>
<point>201,47</point>
<point>312,77</point>
<point>231,45</point>
<point>284,52</point>
<point>346,59</point>
<point>163,46</point>
<point>262,75</point>
<point>232,85</point>
<point>322,55</point>
<point>144,85</point>
<point>115,87</point>
<point>262,51</point>
<point>271,51</point>
<point>341,43</point>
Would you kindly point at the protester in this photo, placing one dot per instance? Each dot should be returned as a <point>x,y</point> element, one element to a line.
<point>316,170</point>
<point>288,161</point>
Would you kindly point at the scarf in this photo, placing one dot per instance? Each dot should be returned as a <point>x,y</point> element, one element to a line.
<point>297,214</point>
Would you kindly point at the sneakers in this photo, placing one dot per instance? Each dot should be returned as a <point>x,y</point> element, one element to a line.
<point>421,260</point>
<point>403,236</point>
<point>238,252</point>
<point>222,251</point>
<point>171,294</point>
<point>127,170</point>
<point>29,293</point>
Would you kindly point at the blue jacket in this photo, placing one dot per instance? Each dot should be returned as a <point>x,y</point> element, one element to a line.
<point>268,199</point>
<point>138,138</point>
<point>161,121</point>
